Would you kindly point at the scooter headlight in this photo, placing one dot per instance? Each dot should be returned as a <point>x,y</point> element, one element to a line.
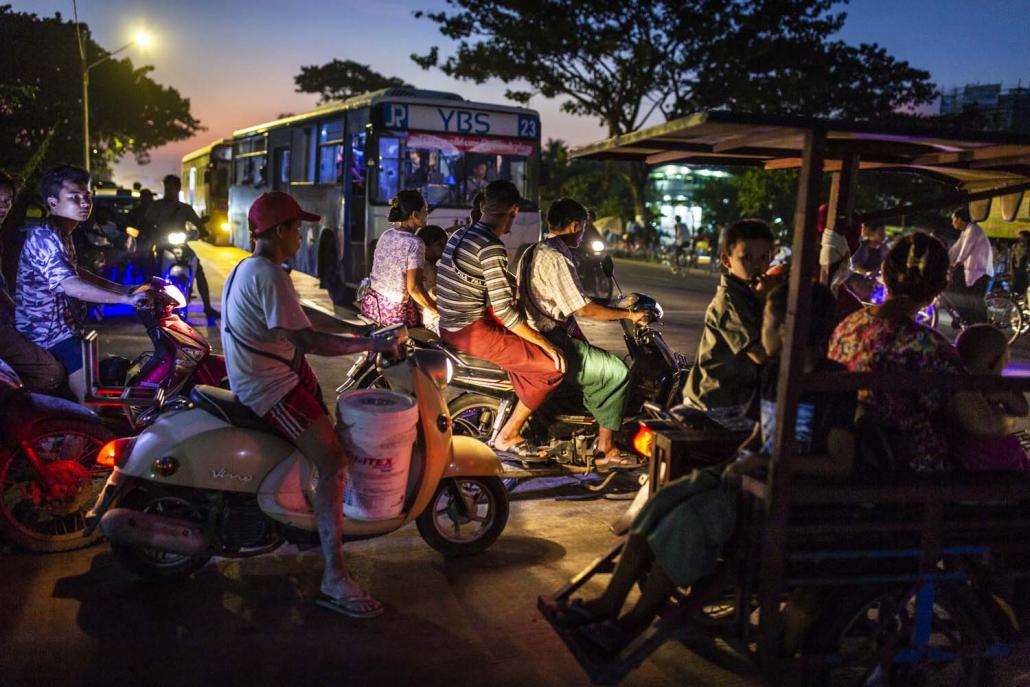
<point>597,246</point>
<point>177,238</point>
<point>175,294</point>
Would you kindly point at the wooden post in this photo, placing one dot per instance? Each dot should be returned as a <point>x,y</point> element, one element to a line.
<point>841,209</point>
<point>799,301</point>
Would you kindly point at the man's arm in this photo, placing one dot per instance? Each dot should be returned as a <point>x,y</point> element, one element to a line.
<point>96,280</point>
<point>193,219</point>
<point>84,290</point>
<point>330,345</point>
<point>602,313</point>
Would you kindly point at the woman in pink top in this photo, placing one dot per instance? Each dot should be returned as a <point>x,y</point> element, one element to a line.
<point>396,290</point>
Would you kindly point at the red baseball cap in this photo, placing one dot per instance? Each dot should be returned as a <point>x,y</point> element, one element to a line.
<point>274,208</point>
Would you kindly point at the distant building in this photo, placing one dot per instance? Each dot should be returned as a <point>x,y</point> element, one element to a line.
<point>998,110</point>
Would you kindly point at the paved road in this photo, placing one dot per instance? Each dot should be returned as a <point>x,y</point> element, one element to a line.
<point>79,619</point>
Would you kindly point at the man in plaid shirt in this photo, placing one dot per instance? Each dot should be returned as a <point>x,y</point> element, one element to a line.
<point>551,297</point>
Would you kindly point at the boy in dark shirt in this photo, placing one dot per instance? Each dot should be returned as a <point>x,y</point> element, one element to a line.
<point>680,533</point>
<point>724,379</point>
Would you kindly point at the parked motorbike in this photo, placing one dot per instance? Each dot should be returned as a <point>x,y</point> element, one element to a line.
<point>48,469</point>
<point>178,264</point>
<point>211,479</point>
<point>485,397</point>
<point>181,357</point>
<point>591,258</point>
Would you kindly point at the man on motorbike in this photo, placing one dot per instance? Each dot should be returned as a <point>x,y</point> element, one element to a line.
<point>265,334</point>
<point>38,370</point>
<point>50,285</point>
<point>471,278</point>
<point>551,297</point>
<point>169,215</point>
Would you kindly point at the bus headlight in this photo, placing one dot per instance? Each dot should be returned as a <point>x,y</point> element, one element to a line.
<point>226,226</point>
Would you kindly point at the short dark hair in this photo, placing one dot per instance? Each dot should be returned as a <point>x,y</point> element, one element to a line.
<point>963,214</point>
<point>431,234</point>
<point>747,229</point>
<point>172,179</point>
<point>405,204</point>
<point>822,318</point>
<point>916,267</point>
<point>476,213</point>
<point>499,197</point>
<point>7,181</point>
<point>55,177</point>
<point>564,211</point>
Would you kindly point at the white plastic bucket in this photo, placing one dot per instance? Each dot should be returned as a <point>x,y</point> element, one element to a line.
<point>377,428</point>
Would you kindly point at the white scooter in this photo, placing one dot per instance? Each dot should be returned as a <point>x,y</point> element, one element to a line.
<point>210,479</point>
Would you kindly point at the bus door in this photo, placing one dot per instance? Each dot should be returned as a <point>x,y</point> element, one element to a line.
<point>356,203</point>
<point>281,168</point>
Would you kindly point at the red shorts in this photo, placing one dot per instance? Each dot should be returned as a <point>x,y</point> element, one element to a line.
<point>298,410</point>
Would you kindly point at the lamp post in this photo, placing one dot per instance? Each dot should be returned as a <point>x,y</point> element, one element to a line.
<point>142,39</point>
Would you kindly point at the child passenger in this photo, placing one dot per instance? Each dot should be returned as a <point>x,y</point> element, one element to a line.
<point>680,533</point>
<point>987,442</point>
<point>724,379</point>
<point>435,239</point>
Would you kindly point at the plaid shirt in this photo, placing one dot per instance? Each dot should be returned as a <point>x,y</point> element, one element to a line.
<point>43,312</point>
<point>551,293</point>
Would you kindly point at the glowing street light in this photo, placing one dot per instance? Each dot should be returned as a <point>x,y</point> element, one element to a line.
<point>141,37</point>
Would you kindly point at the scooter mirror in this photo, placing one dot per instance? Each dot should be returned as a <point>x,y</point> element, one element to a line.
<point>608,267</point>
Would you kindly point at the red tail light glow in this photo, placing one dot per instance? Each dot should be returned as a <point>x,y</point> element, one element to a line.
<point>643,441</point>
<point>112,451</point>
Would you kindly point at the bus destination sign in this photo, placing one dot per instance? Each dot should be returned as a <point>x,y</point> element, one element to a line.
<point>459,121</point>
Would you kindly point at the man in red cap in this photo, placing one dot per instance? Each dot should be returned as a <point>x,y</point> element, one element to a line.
<point>265,334</point>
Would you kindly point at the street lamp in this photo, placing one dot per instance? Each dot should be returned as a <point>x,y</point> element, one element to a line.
<point>142,38</point>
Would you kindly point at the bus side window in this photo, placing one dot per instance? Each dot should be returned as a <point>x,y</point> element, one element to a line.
<point>388,179</point>
<point>357,164</point>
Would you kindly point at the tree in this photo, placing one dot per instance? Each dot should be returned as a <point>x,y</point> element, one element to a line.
<point>591,182</point>
<point>623,61</point>
<point>41,99</point>
<point>341,79</point>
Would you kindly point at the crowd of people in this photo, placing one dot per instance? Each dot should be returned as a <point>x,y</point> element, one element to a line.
<point>524,319</point>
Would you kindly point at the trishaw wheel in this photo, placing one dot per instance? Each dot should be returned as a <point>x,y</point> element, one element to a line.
<point>1005,314</point>
<point>868,630</point>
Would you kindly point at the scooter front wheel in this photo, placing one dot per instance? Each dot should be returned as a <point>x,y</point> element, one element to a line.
<point>465,516</point>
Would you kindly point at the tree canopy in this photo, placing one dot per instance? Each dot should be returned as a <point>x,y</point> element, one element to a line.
<point>623,61</point>
<point>41,99</point>
<point>341,79</point>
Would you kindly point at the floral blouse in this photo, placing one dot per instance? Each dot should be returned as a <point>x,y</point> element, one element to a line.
<point>866,343</point>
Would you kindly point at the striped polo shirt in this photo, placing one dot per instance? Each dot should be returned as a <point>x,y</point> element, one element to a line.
<point>471,276</point>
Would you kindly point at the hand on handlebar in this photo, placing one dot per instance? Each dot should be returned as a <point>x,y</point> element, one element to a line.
<point>638,317</point>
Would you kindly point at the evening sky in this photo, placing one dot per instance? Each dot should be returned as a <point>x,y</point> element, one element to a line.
<point>236,60</point>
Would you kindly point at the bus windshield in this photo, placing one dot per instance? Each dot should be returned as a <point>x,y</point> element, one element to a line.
<point>450,169</point>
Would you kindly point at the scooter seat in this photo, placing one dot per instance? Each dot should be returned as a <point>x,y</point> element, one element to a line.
<point>465,358</point>
<point>224,405</point>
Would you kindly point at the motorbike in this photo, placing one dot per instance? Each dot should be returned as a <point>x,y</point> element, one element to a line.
<point>181,358</point>
<point>590,261</point>
<point>178,264</point>
<point>210,479</point>
<point>484,397</point>
<point>49,473</point>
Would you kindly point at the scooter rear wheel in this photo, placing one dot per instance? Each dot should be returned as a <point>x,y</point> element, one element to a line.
<point>158,565</point>
<point>465,516</point>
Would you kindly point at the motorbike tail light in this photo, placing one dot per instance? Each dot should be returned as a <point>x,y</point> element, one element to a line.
<point>643,441</point>
<point>114,451</point>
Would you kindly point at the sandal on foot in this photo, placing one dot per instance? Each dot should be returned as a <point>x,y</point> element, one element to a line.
<point>575,614</point>
<point>520,452</point>
<point>362,606</point>
<point>622,461</point>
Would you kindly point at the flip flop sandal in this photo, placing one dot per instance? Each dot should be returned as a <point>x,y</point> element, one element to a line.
<point>575,614</point>
<point>352,606</point>
<point>521,453</point>
<point>624,461</point>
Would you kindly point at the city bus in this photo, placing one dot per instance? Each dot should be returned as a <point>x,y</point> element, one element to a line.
<point>345,161</point>
<point>205,186</point>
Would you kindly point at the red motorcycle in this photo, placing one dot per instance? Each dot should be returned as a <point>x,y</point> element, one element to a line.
<point>181,358</point>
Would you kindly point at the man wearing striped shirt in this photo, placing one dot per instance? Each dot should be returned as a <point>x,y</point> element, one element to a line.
<point>478,315</point>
